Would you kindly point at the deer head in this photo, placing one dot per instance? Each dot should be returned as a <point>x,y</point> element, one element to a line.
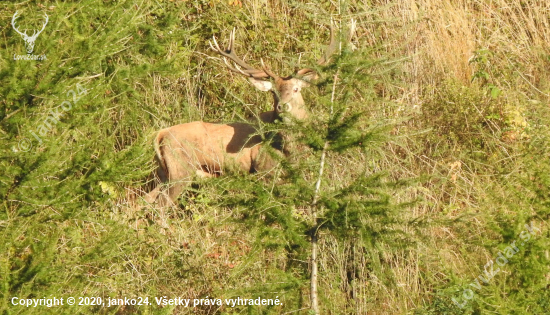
<point>29,40</point>
<point>288,101</point>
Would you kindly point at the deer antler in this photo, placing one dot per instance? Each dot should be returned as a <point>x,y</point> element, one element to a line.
<point>325,58</point>
<point>352,29</point>
<point>333,45</point>
<point>268,71</point>
<point>246,68</point>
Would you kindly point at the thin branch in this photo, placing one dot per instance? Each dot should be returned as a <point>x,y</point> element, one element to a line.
<point>314,243</point>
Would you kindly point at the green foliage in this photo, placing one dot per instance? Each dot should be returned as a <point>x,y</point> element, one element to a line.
<point>482,58</point>
<point>55,234</point>
<point>425,178</point>
<point>520,283</point>
<point>359,209</point>
<point>463,116</point>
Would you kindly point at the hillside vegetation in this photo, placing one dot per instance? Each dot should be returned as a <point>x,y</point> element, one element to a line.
<point>431,126</point>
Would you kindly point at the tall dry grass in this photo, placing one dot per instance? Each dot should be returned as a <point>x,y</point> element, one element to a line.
<point>441,40</point>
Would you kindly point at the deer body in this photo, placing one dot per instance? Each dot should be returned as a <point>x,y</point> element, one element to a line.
<point>204,149</point>
<point>206,146</point>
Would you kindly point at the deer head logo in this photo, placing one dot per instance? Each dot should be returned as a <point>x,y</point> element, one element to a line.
<point>29,40</point>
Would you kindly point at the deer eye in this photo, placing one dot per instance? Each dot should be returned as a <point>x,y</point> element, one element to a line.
<point>295,89</point>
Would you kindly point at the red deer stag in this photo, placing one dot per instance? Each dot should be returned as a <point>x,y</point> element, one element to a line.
<point>201,148</point>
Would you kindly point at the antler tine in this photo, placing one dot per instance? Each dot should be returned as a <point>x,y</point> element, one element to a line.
<point>255,73</point>
<point>217,48</point>
<point>331,46</point>
<point>236,68</point>
<point>232,39</point>
<point>352,29</point>
<point>268,71</point>
<point>230,53</point>
<point>247,72</point>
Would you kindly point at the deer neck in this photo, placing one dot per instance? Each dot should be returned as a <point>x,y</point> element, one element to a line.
<point>298,110</point>
<point>274,114</point>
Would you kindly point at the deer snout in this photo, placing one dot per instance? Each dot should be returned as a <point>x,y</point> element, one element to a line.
<point>284,108</point>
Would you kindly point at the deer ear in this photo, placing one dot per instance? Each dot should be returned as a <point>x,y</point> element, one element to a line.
<point>261,84</point>
<point>306,76</point>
